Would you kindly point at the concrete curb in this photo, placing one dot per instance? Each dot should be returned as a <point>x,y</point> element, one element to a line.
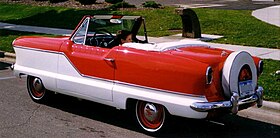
<point>7,57</point>
<point>271,105</point>
<point>10,57</point>
<point>7,54</point>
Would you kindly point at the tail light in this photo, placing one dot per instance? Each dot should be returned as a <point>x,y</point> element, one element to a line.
<point>260,67</point>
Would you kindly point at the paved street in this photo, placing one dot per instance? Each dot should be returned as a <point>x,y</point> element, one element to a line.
<point>65,116</point>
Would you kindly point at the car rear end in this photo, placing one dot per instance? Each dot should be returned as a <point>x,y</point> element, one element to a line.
<point>235,84</point>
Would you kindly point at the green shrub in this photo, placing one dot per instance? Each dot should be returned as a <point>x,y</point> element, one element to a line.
<point>114,1</point>
<point>86,2</point>
<point>122,5</point>
<point>151,4</point>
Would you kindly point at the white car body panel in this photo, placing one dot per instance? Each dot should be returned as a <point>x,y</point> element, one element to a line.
<point>44,68</point>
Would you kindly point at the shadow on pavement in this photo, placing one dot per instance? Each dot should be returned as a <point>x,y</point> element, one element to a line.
<point>228,126</point>
<point>4,66</point>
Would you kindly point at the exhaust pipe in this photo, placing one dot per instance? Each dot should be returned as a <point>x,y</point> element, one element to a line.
<point>12,67</point>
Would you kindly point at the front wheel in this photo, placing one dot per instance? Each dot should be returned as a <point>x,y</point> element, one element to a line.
<point>150,116</point>
<point>36,89</point>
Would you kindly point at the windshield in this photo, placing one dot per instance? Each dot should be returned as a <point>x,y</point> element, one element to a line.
<point>110,25</point>
<point>109,31</point>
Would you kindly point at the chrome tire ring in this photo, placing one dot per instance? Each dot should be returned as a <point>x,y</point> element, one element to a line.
<point>232,67</point>
<point>150,116</point>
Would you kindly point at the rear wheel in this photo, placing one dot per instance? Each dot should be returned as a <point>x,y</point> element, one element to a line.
<point>36,89</point>
<point>150,116</point>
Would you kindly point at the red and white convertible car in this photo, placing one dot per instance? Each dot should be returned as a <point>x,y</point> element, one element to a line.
<point>184,78</point>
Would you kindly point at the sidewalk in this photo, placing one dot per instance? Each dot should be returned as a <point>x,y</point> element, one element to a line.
<point>35,29</point>
<point>270,15</point>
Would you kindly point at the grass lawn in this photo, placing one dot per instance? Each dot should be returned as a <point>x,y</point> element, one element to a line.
<point>238,26</point>
<point>7,37</point>
<point>270,81</point>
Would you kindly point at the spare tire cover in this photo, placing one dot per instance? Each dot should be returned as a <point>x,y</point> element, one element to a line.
<point>232,67</point>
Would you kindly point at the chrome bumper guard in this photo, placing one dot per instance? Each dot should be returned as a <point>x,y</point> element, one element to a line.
<point>232,104</point>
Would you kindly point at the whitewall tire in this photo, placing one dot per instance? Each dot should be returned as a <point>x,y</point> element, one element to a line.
<point>36,90</point>
<point>150,116</point>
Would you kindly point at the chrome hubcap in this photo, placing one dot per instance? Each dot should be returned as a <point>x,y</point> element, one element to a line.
<point>150,112</point>
<point>37,84</point>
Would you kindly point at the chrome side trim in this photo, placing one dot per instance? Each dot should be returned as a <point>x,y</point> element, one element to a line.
<point>160,90</point>
<point>232,104</point>
<point>36,49</point>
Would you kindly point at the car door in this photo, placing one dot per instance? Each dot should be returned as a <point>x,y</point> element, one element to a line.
<point>86,71</point>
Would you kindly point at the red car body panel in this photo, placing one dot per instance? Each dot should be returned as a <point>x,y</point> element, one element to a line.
<point>43,43</point>
<point>89,60</point>
<point>147,68</point>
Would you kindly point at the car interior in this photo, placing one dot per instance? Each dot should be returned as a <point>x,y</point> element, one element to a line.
<point>103,32</point>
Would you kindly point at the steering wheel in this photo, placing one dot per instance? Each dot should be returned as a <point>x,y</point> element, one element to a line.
<point>102,42</point>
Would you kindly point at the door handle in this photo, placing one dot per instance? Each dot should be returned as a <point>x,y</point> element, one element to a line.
<point>109,59</point>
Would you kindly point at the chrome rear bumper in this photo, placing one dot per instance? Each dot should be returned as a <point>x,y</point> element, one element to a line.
<point>232,104</point>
